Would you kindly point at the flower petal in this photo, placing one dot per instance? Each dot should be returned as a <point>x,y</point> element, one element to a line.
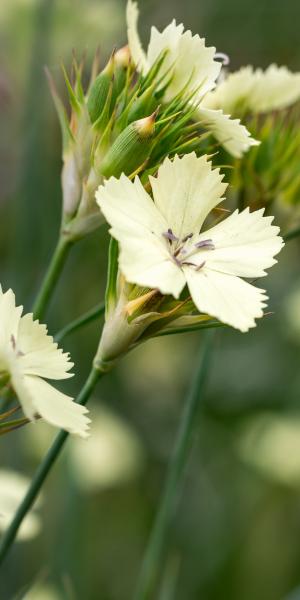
<point>274,89</point>
<point>232,93</point>
<point>185,191</point>
<point>127,207</point>
<point>39,397</point>
<point>138,225</point>
<point>255,90</point>
<point>231,134</point>
<point>226,297</point>
<point>244,243</point>
<point>188,59</point>
<point>137,52</point>
<point>10,315</point>
<point>39,354</point>
<point>149,264</point>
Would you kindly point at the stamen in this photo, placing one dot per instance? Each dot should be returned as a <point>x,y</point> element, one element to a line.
<point>187,237</point>
<point>224,58</point>
<point>178,251</point>
<point>169,235</point>
<point>189,264</point>
<point>205,244</point>
<point>200,266</point>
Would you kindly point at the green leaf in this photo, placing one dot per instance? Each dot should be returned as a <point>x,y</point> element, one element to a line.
<point>112,273</point>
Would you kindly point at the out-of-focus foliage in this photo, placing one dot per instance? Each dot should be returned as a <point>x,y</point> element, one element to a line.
<point>271,171</point>
<point>235,535</point>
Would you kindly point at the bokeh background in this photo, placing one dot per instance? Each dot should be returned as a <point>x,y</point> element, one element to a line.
<point>236,532</point>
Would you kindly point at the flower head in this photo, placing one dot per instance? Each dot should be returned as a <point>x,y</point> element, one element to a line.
<point>188,65</point>
<point>28,356</point>
<point>162,246</point>
<point>187,60</point>
<point>255,91</point>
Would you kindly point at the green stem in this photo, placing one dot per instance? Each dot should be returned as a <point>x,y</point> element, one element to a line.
<point>156,544</point>
<point>43,470</point>
<point>92,314</point>
<point>54,270</point>
<point>292,234</point>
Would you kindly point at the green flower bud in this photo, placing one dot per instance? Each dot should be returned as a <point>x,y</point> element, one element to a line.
<point>99,90</point>
<point>122,62</point>
<point>131,148</point>
<point>143,104</point>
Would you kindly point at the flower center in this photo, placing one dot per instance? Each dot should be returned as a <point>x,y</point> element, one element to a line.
<point>182,249</point>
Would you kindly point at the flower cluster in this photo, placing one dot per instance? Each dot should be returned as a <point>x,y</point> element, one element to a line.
<point>268,103</point>
<point>137,154</point>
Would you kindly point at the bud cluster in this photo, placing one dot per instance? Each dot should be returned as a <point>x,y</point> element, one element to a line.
<point>120,125</point>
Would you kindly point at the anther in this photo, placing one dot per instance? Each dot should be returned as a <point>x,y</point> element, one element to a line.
<point>187,237</point>
<point>200,266</point>
<point>169,235</point>
<point>205,244</point>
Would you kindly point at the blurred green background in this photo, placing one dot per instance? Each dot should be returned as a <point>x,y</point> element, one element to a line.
<point>236,532</point>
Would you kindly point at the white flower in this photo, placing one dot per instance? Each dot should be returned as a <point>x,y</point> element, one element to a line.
<point>256,91</point>
<point>189,63</point>
<point>161,247</point>
<point>188,60</point>
<point>28,356</point>
<point>13,487</point>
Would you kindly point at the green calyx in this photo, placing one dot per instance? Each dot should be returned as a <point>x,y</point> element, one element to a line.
<point>99,91</point>
<point>131,149</point>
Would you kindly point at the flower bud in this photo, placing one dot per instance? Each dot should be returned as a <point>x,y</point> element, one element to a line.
<point>131,148</point>
<point>143,104</point>
<point>122,62</point>
<point>71,185</point>
<point>122,57</point>
<point>99,90</point>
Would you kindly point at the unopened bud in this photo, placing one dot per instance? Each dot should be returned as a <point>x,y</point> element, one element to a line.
<point>71,185</point>
<point>122,62</point>
<point>99,90</point>
<point>142,105</point>
<point>123,57</point>
<point>131,148</point>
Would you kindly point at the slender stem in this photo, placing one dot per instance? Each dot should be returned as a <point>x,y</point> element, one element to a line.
<point>156,544</point>
<point>292,234</point>
<point>51,277</point>
<point>91,315</point>
<point>43,470</point>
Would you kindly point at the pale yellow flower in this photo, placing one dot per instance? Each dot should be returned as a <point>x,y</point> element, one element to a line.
<point>161,246</point>
<point>255,90</point>
<point>28,356</point>
<point>191,66</point>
